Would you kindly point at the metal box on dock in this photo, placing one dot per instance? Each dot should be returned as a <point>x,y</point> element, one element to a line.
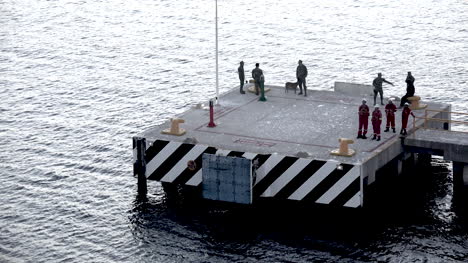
<point>227,179</point>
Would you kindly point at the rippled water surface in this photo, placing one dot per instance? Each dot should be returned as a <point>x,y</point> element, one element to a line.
<point>79,78</point>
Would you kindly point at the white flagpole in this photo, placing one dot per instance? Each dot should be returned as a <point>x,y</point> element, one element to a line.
<point>217,79</point>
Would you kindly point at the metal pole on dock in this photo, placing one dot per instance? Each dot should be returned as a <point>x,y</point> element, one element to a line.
<point>217,79</point>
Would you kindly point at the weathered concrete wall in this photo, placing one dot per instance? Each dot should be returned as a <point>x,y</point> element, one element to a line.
<point>353,89</point>
<point>380,159</point>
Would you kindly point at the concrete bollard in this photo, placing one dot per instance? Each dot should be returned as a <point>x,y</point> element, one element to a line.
<point>414,103</point>
<point>175,129</point>
<point>344,149</point>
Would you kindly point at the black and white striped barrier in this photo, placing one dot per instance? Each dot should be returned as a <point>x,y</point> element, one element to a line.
<point>278,177</point>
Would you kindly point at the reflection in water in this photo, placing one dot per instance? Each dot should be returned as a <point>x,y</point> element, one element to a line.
<point>415,219</point>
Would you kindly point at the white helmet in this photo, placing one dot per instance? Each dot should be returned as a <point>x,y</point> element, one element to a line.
<point>376,106</point>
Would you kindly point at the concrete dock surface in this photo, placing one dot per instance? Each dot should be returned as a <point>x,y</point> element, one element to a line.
<point>287,124</point>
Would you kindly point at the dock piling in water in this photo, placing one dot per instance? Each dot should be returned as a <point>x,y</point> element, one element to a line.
<point>139,166</point>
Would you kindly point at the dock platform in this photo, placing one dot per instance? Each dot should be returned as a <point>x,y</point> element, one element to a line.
<point>287,141</point>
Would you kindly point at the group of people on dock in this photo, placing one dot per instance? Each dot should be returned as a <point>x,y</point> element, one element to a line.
<point>301,75</point>
<point>390,109</point>
<point>257,75</point>
<point>364,112</point>
<point>376,120</point>
<point>377,83</point>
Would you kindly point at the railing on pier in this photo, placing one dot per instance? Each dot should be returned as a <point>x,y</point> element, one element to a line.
<point>445,122</point>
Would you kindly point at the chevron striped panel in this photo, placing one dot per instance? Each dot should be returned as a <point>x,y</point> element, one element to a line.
<point>169,162</point>
<point>278,177</point>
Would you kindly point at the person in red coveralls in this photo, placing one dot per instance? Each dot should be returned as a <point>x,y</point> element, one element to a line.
<point>404,118</point>
<point>390,110</point>
<point>376,122</point>
<point>363,120</point>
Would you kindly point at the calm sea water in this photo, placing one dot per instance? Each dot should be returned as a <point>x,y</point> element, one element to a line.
<point>79,78</point>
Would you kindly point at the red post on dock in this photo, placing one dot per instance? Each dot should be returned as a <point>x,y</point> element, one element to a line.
<point>211,124</point>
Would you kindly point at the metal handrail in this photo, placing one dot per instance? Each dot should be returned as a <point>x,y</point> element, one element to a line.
<point>426,119</point>
<point>444,120</point>
<point>462,113</point>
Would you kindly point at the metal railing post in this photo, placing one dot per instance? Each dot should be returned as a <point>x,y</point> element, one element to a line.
<point>425,119</point>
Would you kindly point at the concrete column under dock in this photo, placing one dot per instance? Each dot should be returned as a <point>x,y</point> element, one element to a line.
<point>453,146</point>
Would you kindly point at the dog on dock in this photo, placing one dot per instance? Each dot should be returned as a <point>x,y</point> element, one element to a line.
<point>291,85</point>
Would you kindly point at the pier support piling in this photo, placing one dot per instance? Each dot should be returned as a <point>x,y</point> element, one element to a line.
<point>460,174</point>
<point>140,165</point>
<point>460,188</point>
<point>424,159</point>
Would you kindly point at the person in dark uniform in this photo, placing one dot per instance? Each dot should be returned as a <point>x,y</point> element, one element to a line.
<point>256,74</point>
<point>301,74</point>
<point>377,83</point>
<point>409,89</point>
<point>240,71</point>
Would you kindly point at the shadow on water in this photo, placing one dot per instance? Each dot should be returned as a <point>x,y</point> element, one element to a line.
<point>409,212</point>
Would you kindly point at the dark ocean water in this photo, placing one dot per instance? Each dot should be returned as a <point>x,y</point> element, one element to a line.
<point>79,78</point>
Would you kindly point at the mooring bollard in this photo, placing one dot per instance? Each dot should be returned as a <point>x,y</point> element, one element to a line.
<point>344,149</point>
<point>175,129</point>
<point>211,124</point>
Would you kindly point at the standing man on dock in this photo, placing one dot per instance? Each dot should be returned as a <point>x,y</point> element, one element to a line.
<point>301,74</point>
<point>377,83</point>
<point>390,110</point>
<point>363,120</point>
<point>409,89</point>
<point>404,118</point>
<point>376,122</point>
<point>256,74</point>
<point>240,71</point>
